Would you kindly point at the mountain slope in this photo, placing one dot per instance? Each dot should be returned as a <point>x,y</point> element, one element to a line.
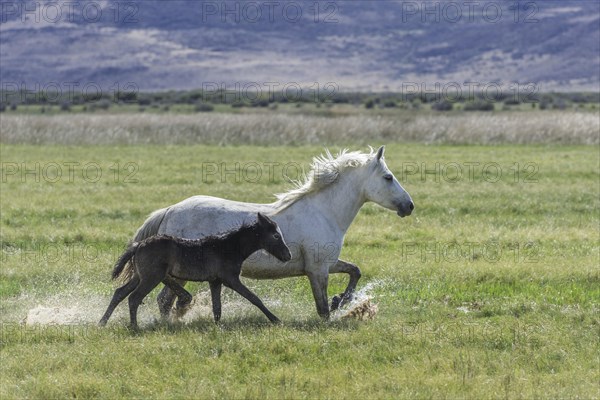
<point>358,45</point>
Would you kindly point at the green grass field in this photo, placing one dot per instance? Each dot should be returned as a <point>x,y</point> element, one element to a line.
<point>489,290</point>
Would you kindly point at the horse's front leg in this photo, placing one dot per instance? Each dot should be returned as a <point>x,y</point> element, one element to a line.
<point>348,268</point>
<point>166,298</point>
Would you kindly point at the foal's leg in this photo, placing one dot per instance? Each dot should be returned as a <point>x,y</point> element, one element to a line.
<point>354,272</point>
<point>215,294</point>
<point>118,297</point>
<point>239,287</point>
<point>147,283</point>
<point>184,298</point>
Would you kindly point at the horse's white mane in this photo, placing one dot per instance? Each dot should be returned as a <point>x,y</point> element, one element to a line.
<point>324,170</point>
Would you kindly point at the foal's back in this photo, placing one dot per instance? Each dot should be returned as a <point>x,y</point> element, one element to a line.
<point>193,260</point>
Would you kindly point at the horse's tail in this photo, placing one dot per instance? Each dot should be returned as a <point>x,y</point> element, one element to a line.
<point>124,259</point>
<point>148,228</point>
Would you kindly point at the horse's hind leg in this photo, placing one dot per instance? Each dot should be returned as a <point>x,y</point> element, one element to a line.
<point>118,297</point>
<point>184,298</point>
<point>354,272</point>
<point>166,298</point>
<point>239,287</point>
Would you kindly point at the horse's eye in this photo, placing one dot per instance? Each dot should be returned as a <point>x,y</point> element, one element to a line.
<point>276,236</point>
<point>388,177</point>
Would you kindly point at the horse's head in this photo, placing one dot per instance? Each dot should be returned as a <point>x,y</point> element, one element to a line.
<point>383,188</point>
<point>271,238</point>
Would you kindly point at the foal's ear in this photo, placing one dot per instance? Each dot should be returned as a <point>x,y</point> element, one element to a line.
<point>380,153</point>
<point>264,220</point>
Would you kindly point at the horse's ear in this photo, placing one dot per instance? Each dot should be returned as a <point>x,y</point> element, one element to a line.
<point>380,153</point>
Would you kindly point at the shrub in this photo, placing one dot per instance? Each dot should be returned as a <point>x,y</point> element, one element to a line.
<point>369,103</point>
<point>260,103</point>
<point>560,104</point>
<point>443,105</point>
<point>65,106</point>
<point>479,106</point>
<point>127,97</point>
<point>204,107</point>
<point>103,104</point>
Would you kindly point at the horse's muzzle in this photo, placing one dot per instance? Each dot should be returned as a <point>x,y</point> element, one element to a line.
<point>404,210</point>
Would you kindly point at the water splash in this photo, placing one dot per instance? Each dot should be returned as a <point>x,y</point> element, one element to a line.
<point>360,307</point>
<point>199,308</point>
<point>71,308</point>
<point>233,305</point>
<point>77,308</point>
<point>42,315</point>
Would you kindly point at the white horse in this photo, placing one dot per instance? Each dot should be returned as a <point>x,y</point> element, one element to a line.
<point>313,218</point>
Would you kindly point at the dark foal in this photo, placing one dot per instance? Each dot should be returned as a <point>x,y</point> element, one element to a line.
<point>216,259</point>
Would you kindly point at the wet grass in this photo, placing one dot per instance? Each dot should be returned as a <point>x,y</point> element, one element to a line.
<point>490,289</point>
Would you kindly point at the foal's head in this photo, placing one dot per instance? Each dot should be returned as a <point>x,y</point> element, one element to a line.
<point>271,239</point>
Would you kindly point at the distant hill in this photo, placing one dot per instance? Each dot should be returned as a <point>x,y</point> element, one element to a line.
<point>358,45</point>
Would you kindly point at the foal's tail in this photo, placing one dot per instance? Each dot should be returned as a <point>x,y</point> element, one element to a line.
<point>148,228</point>
<point>125,257</point>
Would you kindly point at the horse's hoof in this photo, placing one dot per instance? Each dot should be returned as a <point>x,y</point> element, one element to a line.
<point>182,308</point>
<point>340,300</point>
<point>335,303</point>
<point>347,298</point>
